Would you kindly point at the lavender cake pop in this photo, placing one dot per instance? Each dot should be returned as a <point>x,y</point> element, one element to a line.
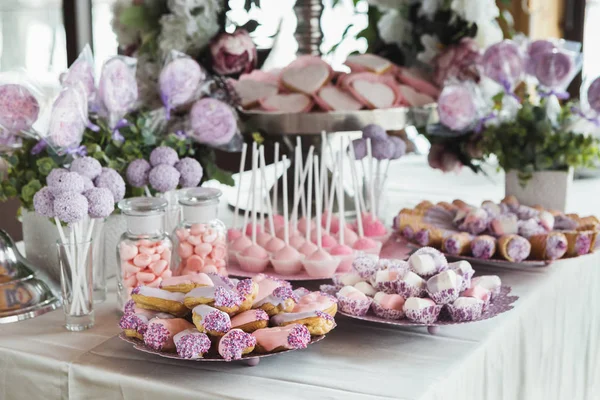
<point>399,147</point>
<point>87,183</point>
<point>383,150</point>
<point>374,132</point>
<point>163,178</point>
<point>67,182</point>
<point>360,148</point>
<point>43,202</point>
<point>19,109</point>
<point>213,122</point>
<point>100,202</point>
<point>163,155</point>
<point>190,170</point>
<point>137,173</point>
<point>70,207</point>
<point>55,175</point>
<point>111,180</point>
<point>86,166</point>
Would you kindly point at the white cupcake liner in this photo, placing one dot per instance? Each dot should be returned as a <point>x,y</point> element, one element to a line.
<point>336,278</point>
<point>427,315</point>
<point>467,313</point>
<point>287,267</point>
<point>320,269</point>
<point>252,264</point>
<point>407,290</point>
<point>389,287</point>
<point>386,312</point>
<point>354,307</point>
<point>466,280</point>
<point>444,296</point>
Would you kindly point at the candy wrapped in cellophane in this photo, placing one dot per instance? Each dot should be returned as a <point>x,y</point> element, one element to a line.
<point>180,81</point>
<point>117,89</point>
<point>68,119</point>
<point>82,71</point>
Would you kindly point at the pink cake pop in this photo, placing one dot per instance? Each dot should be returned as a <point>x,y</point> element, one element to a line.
<point>350,237</point>
<point>320,264</point>
<point>297,242</point>
<point>234,232</point>
<point>343,252</point>
<point>253,258</point>
<point>287,261</point>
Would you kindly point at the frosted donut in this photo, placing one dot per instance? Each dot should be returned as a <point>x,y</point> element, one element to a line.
<point>247,289</point>
<point>160,332</point>
<point>191,344</point>
<point>281,300</point>
<point>210,320</point>
<point>159,300</point>
<point>185,283</point>
<point>250,320</point>
<point>282,338</point>
<point>216,296</point>
<point>235,343</point>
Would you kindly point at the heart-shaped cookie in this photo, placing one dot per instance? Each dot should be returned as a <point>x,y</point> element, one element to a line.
<point>332,98</point>
<point>368,63</point>
<point>307,79</point>
<point>287,103</point>
<point>414,98</point>
<point>251,91</point>
<point>374,94</point>
<point>411,79</point>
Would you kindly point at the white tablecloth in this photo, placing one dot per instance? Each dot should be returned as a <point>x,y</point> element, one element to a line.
<point>548,347</point>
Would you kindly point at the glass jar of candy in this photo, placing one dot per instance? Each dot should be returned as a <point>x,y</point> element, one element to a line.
<point>200,239</point>
<point>144,252</point>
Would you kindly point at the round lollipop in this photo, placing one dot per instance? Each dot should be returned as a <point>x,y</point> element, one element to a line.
<point>593,95</point>
<point>536,49</point>
<point>555,69</point>
<point>503,63</point>
<point>117,88</point>
<point>213,122</point>
<point>456,107</point>
<point>19,108</point>
<point>82,71</point>
<point>179,82</point>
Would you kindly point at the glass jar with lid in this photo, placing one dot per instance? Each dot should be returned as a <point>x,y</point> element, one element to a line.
<point>200,239</point>
<point>144,252</point>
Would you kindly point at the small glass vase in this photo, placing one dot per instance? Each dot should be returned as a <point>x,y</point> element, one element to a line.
<point>76,280</point>
<point>99,262</point>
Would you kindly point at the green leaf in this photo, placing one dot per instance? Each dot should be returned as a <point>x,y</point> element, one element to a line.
<point>45,165</point>
<point>30,190</point>
<point>219,175</point>
<point>135,16</point>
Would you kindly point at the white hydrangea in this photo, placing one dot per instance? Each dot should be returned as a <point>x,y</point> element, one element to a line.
<point>488,33</point>
<point>188,34</point>
<point>190,8</point>
<point>432,48</point>
<point>476,10</point>
<point>394,28</point>
<point>429,8</point>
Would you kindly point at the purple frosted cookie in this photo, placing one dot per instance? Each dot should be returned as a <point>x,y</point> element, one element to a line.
<point>213,122</point>
<point>191,344</point>
<point>235,344</point>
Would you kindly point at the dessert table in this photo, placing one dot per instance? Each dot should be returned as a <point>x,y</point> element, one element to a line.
<point>547,347</point>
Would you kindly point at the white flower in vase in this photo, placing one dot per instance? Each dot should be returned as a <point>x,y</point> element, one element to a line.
<point>476,10</point>
<point>429,8</point>
<point>195,7</point>
<point>394,28</point>
<point>488,33</point>
<point>432,48</point>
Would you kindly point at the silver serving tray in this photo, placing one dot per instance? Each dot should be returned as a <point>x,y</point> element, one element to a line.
<point>313,123</point>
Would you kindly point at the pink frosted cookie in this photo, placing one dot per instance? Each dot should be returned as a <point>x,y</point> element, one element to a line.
<point>251,92</point>
<point>235,344</point>
<point>159,300</point>
<point>314,310</point>
<point>210,320</point>
<point>282,299</point>
<point>333,98</point>
<point>135,324</point>
<point>287,103</point>
<point>224,299</point>
<point>19,109</point>
<point>374,91</point>
<point>306,74</point>
<point>266,286</point>
<point>289,337</point>
<point>388,306</point>
<point>191,344</point>
<point>160,333</point>
<point>368,63</point>
<point>250,320</point>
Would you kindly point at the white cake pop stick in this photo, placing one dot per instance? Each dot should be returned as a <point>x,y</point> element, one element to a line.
<point>286,232</point>
<point>371,187</point>
<point>300,188</point>
<point>318,196</point>
<point>340,189</point>
<point>359,193</point>
<point>324,169</point>
<point>309,168</point>
<point>250,200</point>
<point>261,197</point>
<point>237,199</point>
<point>302,170</point>
<point>264,181</point>
<point>334,177</point>
<point>276,181</point>
<point>254,165</point>
<point>361,232</point>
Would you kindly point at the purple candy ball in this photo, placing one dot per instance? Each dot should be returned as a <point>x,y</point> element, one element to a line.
<point>503,63</point>
<point>86,166</point>
<point>43,202</point>
<point>374,132</point>
<point>593,95</point>
<point>534,51</point>
<point>67,182</point>
<point>100,202</point>
<point>399,147</point>
<point>70,207</point>
<point>382,149</point>
<point>554,69</point>
<point>111,180</point>
<point>360,148</point>
<point>137,173</point>
<point>54,175</point>
<point>163,155</point>
<point>164,178</point>
<point>191,172</point>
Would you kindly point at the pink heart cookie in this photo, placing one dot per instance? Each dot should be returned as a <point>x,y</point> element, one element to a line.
<point>368,63</point>
<point>333,98</point>
<point>251,92</point>
<point>414,98</point>
<point>287,103</point>
<point>419,84</point>
<point>306,74</point>
<point>374,91</point>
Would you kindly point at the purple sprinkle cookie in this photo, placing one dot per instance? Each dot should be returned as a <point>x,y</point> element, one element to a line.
<point>133,322</point>
<point>156,336</point>
<point>299,337</point>
<point>217,321</point>
<point>245,287</point>
<point>386,313</point>
<point>283,293</point>
<point>354,307</point>
<point>193,345</point>
<point>261,315</point>
<point>427,315</point>
<point>136,290</point>
<point>234,343</point>
<point>128,308</point>
<point>466,313</point>
<point>137,173</point>
<point>325,316</point>
<point>226,298</point>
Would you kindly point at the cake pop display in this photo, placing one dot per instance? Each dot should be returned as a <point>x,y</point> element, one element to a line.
<point>274,244</point>
<point>234,232</point>
<point>278,220</point>
<point>304,224</point>
<point>253,258</point>
<point>358,192</point>
<point>297,242</point>
<point>287,260</point>
<point>344,253</point>
<point>319,263</point>
<point>330,221</point>
<point>308,247</point>
<point>262,237</point>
